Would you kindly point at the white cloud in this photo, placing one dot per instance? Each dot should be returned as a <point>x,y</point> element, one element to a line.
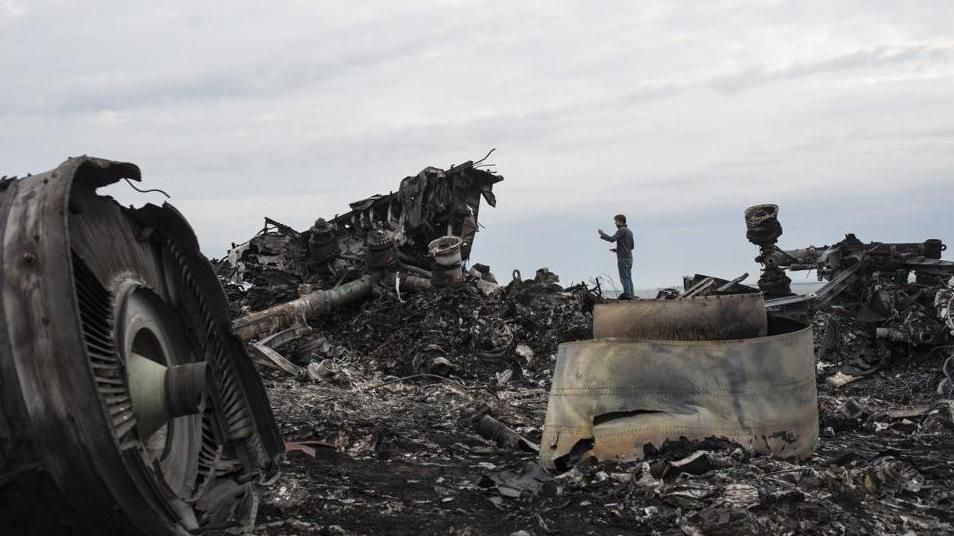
<point>12,9</point>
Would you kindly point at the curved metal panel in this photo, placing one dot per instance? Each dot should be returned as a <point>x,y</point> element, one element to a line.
<point>621,395</point>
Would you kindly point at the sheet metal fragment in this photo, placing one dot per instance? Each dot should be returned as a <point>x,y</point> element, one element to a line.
<point>611,397</point>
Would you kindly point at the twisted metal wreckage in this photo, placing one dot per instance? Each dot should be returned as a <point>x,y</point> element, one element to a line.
<point>130,403</point>
<point>425,229</point>
<point>899,295</point>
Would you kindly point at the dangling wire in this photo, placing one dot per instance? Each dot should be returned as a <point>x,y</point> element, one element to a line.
<point>149,191</point>
<point>490,152</point>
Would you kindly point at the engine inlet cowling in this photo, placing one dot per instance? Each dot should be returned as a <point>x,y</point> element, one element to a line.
<point>127,406</point>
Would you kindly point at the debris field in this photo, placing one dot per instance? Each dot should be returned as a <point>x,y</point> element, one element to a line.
<point>419,408</point>
<point>372,453</point>
<point>365,376</point>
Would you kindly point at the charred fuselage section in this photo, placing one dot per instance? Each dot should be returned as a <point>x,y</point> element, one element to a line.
<point>395,229</point>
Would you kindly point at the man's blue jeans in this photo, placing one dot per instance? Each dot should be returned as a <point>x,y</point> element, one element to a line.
<point>626,276</point>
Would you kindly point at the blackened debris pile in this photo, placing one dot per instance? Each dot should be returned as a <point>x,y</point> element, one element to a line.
<point>400,462</point>
<point>386,286</point>
<point>462,330</point>
<point>887,318</point>
<point>874,467</point>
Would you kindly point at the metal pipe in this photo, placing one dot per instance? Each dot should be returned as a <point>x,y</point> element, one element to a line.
<point>260,323</point>
<point>891,334</point>
<point>421,272</point>
<point>282,316</point>
<point>414,283</point>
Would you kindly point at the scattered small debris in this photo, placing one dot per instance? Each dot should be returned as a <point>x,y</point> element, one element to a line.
<point>529,480</point>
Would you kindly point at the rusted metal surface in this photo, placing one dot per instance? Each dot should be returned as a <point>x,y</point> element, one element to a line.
<point>718,317</point>
<point>611,397</point>
<point>68,258</point>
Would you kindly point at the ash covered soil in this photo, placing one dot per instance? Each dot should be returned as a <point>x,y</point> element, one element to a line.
<point>380,445</point>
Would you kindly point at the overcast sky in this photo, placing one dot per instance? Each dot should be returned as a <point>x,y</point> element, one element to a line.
<point>679,114</point>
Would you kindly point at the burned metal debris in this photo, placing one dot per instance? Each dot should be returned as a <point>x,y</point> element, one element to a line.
<point>847,266</point>
<point>687,318</point>
<point>127,406</point>
<point>426,229</point>
<point>708,366</point>
<point>879,301</point>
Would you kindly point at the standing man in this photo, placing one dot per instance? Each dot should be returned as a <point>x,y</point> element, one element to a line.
<point>624,254</point>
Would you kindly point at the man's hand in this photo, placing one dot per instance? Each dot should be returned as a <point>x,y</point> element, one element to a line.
<point>600,231</point>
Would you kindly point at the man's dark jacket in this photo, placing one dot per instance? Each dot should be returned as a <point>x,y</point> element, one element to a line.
<point>624,242</point>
